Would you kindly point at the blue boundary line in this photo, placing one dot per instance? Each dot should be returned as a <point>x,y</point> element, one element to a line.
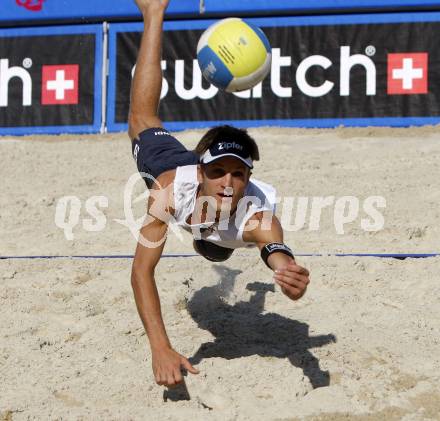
<point>400,256</point>
<point>64,30</point>
<point>98,256</point>
<point>353,19</point>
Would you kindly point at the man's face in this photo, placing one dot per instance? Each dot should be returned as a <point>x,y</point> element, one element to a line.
<point>225,179</point>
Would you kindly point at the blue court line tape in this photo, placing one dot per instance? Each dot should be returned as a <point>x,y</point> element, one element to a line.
<point>97,256</point>
<point>391,255</point>
<point>400,256</point>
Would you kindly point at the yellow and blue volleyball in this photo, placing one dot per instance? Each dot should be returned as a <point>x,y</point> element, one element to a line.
<point>234,55</point>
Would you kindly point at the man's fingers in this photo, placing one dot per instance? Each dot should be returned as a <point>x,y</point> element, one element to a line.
<point>178,376</point>
<point>290,288</point>
<point>186,364</point>
<point>291,291</point>
<point>294,281</point>
<point>170,380</point>
<point>160,381</point>
<point>291,267</point>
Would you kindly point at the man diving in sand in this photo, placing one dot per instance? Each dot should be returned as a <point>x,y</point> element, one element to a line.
<point>205,192</point>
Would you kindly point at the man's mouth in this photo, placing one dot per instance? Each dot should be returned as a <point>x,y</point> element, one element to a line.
<point>225,196</point>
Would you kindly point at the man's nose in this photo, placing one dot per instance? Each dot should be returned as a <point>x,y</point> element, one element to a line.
<point>227,180</point>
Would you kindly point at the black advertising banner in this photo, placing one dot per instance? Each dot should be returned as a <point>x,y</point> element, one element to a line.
<point>322,73</point>
<point>48,81</point>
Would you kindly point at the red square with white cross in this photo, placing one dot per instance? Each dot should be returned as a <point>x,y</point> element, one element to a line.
<point>407,73</point>
<point>59,84</point>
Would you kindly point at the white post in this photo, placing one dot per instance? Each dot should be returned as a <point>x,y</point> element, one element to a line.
<point>103,129</point>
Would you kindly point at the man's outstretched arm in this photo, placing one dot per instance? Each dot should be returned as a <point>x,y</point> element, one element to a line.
<point>167,363</point>
<point>147,80</point>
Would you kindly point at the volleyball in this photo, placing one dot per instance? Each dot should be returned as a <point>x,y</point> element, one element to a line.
<point>234,55</point>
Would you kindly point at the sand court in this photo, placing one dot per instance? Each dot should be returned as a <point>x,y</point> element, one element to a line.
<point>363,343</point>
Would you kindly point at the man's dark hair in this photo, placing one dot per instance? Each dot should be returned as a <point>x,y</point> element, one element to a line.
<point>227,133</point>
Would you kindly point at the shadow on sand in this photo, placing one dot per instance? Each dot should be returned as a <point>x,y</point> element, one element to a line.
<point>242,330</point>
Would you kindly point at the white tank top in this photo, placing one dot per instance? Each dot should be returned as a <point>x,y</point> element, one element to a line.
<point>258,196</point>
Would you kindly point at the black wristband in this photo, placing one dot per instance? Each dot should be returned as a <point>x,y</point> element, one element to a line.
<point>270,248</point>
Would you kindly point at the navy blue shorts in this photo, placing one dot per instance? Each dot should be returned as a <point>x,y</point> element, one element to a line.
<point>156,151</point>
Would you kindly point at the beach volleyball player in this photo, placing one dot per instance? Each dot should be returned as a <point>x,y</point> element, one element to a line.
<point>207,192</point>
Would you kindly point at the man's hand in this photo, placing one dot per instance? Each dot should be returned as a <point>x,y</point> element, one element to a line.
<point>293,280</point>
<point>167,365</point>
<point>144,5</point>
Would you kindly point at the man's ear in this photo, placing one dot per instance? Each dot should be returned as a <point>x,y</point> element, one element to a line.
<point>199,173</point>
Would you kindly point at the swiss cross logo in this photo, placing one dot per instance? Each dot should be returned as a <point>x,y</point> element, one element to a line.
<point>408,73</point>
<point>60,84</point>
